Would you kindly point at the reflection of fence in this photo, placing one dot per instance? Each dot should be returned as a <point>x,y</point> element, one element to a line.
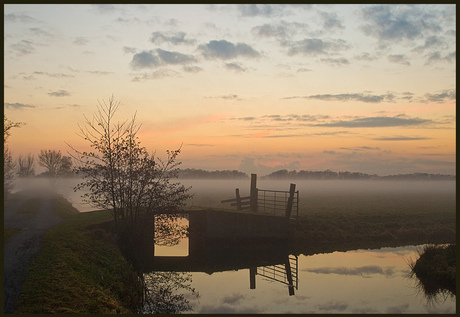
<point>275,202</point>
<point>285,274</point>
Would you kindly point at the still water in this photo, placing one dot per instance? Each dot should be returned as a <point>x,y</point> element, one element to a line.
<point>360,281</point>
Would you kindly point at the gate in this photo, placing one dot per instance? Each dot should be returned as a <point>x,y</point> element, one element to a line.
<point>276,202</point>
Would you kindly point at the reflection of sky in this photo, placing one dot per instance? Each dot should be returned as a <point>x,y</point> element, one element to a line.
<point>363,281</point>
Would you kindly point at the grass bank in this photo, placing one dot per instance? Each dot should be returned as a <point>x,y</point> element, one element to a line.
<point>363,229</point>
<point>79,270</point>
<point>436,268</point>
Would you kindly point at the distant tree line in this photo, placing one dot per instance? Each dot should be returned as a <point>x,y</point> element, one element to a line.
<point>199,173</point>
<point>328,174</point>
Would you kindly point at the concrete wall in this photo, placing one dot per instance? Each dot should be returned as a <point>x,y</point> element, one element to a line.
<point>221,225</point>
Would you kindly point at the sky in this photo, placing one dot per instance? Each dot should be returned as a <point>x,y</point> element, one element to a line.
<point>255,88</point>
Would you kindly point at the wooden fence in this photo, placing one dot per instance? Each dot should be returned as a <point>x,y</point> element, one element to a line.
<point>267,201</point>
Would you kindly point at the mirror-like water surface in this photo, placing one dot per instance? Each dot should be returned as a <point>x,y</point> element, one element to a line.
<point>361,281</point>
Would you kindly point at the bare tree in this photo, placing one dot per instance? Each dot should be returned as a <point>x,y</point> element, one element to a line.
<point>66,167</point>
<point>123,177</point>
<point>51,160</point>
<point>9,166</point>
<point>26,166</point>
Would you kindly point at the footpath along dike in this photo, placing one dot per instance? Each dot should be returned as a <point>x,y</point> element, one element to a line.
<point>30,214</point>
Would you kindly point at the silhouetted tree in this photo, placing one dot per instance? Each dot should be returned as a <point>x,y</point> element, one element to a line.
<point>124,178</point>
<point>66,168</point>
<point>9,166</point>
<point>51,160</point>
<point>26,166</point>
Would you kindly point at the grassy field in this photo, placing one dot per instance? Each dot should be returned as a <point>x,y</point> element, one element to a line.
<point>356,214</point>
<point>79,270</point>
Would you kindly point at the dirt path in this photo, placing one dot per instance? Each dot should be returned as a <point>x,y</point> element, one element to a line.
<point>20,249</point>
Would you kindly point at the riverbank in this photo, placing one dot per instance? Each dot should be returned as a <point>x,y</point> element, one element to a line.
<point>27,216</point>
<point>80,269</point>
<point>436,269</point>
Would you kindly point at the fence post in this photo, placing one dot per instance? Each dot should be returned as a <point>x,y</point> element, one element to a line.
<point>238,199</point>
<point>252,277</point>
<point>290,201</point>
<point>253,193</point>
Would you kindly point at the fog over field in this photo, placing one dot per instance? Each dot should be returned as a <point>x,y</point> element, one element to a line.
<point>314,195</point>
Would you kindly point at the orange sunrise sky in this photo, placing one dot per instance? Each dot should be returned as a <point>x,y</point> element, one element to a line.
<point>256,88</point>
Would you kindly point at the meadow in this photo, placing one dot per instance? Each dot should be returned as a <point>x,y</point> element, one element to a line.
<point>352,214</point>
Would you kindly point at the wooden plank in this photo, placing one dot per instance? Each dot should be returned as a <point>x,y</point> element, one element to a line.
<point>234,199</point>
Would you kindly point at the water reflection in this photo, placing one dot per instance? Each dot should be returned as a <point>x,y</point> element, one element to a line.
<point>166,292</point>
<point>285,273</point>
<point>434,292</point>
<point>237,279</point>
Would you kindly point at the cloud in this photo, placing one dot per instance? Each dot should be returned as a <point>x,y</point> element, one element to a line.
<point>54,75</point>
<point>17,105</point>
<point>200,145</point>
<point>40,32</point>
<point>363,270</point>
<point>174,57</point>
<point>335,61</point>
<point>23,47</point>
<point>20,18</point>
<point>159,57</point>
<point>361,148</point>
<point>397,309</point>
<point>80,40</point>
<point>235,67</point>
<point>281,31</point>
<point>161,73</point>
<point>295,117</point>
<point>433,41</point>
<point>98,72</point>
<point>446,95</point>
<point>145,60</point>
<point>192,69</point>
<point>437,57</point>
<point>106,8</point>
<point>248,166</point>
<point>256,10</point>
<point>223,49</point>
<point>315,46</point>
<point>401,138</point>
<point>434,162</point>
<point>399,59</point>
<point>332,305</point>
<point>233,299</point>
<point>270,30</point>
<point>352,97</point>
<point>375,122</point>
<point>129,50</point>
<point>171,37</point>
<point>59,93</point>
<point>331,21</point>
<point>366,57</point>
<point>397,22</point>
